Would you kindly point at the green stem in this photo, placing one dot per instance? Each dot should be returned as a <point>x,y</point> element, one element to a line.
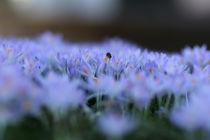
<point>2,130</point>
<point>97,100</point>
<point>168,102</point>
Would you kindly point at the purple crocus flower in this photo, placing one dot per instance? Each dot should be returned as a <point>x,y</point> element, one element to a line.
<point>62,93</point>
<point>194,114</point>
<point>150,67</point>
<point>19,95</point>
<point>115,125</point>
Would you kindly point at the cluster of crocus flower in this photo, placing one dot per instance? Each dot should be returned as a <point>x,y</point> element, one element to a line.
<point>101,78</point>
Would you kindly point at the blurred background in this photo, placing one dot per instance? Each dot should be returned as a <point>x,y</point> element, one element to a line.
<point>164,25</point>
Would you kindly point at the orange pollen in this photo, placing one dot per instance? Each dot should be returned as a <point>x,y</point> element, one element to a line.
<point>85,70</point>
<point>201,60</point>
<point>31,63</point>
<point>9,51</point>
<point>181,61</point>
<point>75,60</point>
<point>105,59</point>
<point>131,67</point>
<point>117,63</point>
<point>202,68</point>
<point>194,81</point>
<point>138,76</point>
<point>87,56</point>
<point>150,70</point>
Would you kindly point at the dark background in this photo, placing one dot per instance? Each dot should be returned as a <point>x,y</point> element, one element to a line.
<point>154,24</point>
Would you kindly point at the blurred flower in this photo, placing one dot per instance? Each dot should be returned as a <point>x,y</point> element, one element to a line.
<point>151,67</point>
<point>62,93</point>
<point>19,95</point>
<point>194,115</point>
<point>116,125</point>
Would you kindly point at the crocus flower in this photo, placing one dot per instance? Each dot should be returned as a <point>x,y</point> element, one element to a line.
<point>19,95</point>
<point>194,114</point>
<point>61,93</point>
<point>115,125</point>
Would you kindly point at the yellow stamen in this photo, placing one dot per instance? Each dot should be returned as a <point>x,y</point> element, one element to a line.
<point>85,70</point>
<point>75,60</point>
<point>150,70</point>
<point>105,59</point>
<point>202,68</point>
<point>9,51</point>
<point>87,56</point>
<point>201,60</point>
<point>117,63</point>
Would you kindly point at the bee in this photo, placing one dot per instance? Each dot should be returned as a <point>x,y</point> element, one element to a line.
<point>108,55</point>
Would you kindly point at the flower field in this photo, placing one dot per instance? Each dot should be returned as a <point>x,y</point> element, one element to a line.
<point>59,90</point>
